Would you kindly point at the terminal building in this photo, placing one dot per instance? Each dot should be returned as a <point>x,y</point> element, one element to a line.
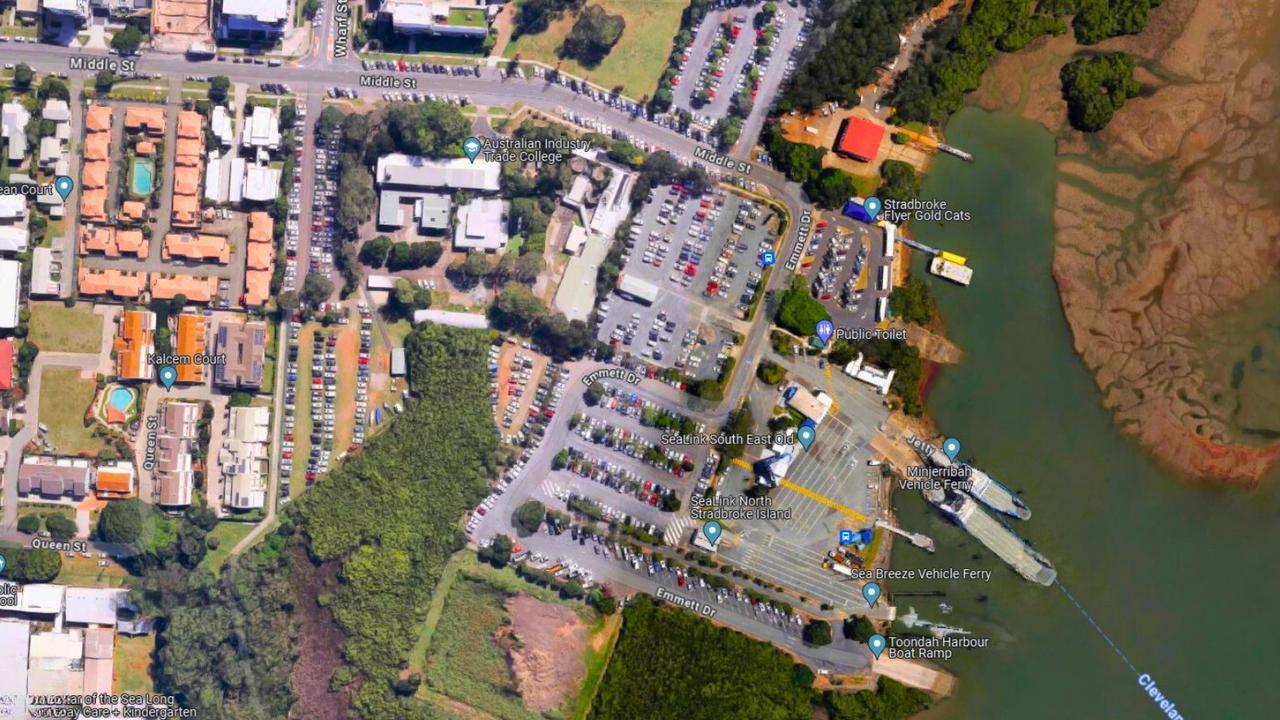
<point>859,139</point>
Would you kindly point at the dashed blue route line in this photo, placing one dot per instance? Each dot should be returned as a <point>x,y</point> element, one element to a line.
<point>1096,626</point>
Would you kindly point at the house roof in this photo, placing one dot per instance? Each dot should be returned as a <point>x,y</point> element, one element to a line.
<point>97,146</point>
<point>260,257</point>
<point>134,344</point>
<point>196,289</point>
<point>97,118</point>
<point>859,139</point>
<point>94,606</point>
<point>192,334</point>
<point>260,226</point>
<point>133,210</point>
<point>149,119</point>
<point>257,287</point>
<point>6,363</point>
<point>186,181</point>
<point>93,205</point>
<point>189,151</point>
<point>111,282</point>
<point>115,480</point>
<point>190,123</point>
<point>145,147</point>
<point>213,248</point>
<point>95,174</point>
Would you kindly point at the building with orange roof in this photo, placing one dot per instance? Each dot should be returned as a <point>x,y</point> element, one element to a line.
<point>138,118</point>
<point>145,147</point>
<point>93,205</point>
<point>95,174</point>
<point>257,287</point>
<point>114,480</point>
<point>210,248</point>
<point>97,146</point>
<point>260,256</point>
<point>188,152</point>
<point>113,242</point>
<point>132,242</point>
<point>195,289</point>
<point>259,227</point>
<point>192,334</point>
<point>98,119</point>
<point>190,124</point>
<point>135,344</point>
<point>116,283</point>
<point>186,181</point>
<point>186,211</point>
<point>133,211</point>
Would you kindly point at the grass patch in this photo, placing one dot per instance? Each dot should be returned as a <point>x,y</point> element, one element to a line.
<point>467,17</point>
<point>54,327</point>
<point>84,572</point>
<point>604,636</point>
<point>133,663</point>
<point>64,399</point>
<point>636,61</point>
<point>228,534</point>
<point>464,662</point>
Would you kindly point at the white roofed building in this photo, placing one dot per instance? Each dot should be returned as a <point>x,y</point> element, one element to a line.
<point>482,225</point>
<point>10,293</point>
<point>94,606</point>
<point>637,288</point>
<point>431,17</point>
<point>261,129</point>
<point>15,638</point>
<point>13,128</point>
<point>418,173</point>
<point>220,124</point>
<point>263,20</point>
<point>243,458</point>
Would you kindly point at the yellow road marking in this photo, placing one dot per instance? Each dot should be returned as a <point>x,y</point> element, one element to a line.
<point>823,500</point>
<point>742,463</point>
<point>831,389</point>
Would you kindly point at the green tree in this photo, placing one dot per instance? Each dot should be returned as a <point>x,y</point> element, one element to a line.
<point>593,35</point>
<point>23,76</point>
<point>219,86</point>
<point>32,566</point>
<point>1096,87</point>
<point>374,252</point>
<point>53,88</point>
<point>60,527</point>
<point>913,301</point>
<point>817,632</point>
<point>121,521</point>
<point>798,311</point>
<point>330,120</point>
<point>770,373</point>
<point>127,41</point>
<point>858,628</point>
<point>29,524</point>
<point>529,516</point>
<point>900,181</point>
<point>316,289</point>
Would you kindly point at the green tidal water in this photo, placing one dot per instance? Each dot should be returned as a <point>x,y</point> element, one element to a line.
<point>1184,578</point>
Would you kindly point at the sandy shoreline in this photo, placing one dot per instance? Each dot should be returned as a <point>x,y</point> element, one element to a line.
<point>1166,219</point>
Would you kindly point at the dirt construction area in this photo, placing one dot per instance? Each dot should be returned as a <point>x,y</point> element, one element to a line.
<point>547,659</point>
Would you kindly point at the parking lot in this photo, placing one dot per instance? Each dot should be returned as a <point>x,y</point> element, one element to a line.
<point>519,374</point>
<point>826,489</point>
<point>725,58</point>
<point>701,253</point>
<point>844,266</point>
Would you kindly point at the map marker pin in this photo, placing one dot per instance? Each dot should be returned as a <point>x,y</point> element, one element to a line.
<point>805,436</point>
<point>3,563</point>
<point>872,206</point>
<point>871,593</point>
<point>951,448</point>
<point>168,376</point>
<point>825,330</point>
<point>712,530</point>
<point>63,184</point>
<point>876,644</point>
<point>471,147</point>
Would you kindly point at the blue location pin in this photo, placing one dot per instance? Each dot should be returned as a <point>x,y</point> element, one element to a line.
<point>712,530</point>
<point>471,147</point>
<point>872,206</point>
<point>3,563</point>
<point>64,185</point>
<point>805,435</point>
<point>951,448</point>
<point>871,593</point>
<point>767,258</point>
<point>875,643</point>
<point>825,330</point>
<point>167,376</point>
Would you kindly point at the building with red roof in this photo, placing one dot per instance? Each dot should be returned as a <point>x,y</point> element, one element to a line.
<point>859,139</point>
<point>6,364</point>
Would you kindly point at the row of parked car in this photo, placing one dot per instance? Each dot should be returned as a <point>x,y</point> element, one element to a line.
<point>295,206</point>
<point>419,67</point>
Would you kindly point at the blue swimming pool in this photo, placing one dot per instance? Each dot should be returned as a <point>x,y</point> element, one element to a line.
<point>120,398</point>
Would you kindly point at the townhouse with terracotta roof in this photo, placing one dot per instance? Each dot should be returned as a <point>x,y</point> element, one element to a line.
<point>260,260</point>
<point>115,480</point>
<point>199,248</point>
<point>141,118</point>
<point>119,284</point>
<point>135,344</point>
<point>193,331</point>
<point>113,242</point>
<point>97,164</point>
<point>165,286</point>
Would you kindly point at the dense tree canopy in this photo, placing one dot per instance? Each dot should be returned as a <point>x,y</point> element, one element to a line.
<point>798,311</point>
<point>1096,87</point>
<point>593,35</point>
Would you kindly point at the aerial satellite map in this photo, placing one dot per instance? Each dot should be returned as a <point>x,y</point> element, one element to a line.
<point>639,359</point>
